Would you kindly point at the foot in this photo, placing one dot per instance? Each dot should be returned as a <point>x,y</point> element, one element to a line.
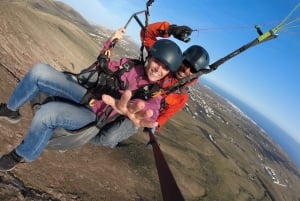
<point>9,161</point>
<point>9,115</point>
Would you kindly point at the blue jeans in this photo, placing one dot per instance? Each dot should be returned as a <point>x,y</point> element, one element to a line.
<point>44,78</point>
<point>115,132</point>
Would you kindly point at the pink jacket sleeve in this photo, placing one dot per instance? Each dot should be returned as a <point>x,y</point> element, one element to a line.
<point>107,46</point>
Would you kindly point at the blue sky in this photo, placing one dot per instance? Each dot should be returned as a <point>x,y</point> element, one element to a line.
<point>267,76</point>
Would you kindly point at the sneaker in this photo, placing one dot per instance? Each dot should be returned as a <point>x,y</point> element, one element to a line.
<point>9,115</point>
<point>9,161</point>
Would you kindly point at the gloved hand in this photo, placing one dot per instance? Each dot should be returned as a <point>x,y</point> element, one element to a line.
<point>180,32</point>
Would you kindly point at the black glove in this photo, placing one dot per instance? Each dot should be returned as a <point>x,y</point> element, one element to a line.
<point>180,32</point>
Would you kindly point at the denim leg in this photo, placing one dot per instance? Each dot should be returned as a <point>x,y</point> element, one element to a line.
<point>46,119</point>
<point>44,78</point>
<point>115,132</point>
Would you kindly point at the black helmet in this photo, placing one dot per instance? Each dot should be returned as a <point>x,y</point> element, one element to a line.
<point>196,57</point>
<point>167,52</point>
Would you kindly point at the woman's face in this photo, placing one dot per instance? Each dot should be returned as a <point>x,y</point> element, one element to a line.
<point>156,70</point>
<point>184,71</point>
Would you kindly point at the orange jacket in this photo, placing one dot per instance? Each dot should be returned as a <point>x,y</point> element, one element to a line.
<point>158,29</point>
<point>174,102</point>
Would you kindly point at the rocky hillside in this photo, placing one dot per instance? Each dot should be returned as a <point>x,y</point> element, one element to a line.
<point>30,33</point>
<point>214,151</point>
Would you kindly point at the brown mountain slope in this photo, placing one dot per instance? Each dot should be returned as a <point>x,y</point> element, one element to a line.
<point>29,35</point>
<point>213,150</point>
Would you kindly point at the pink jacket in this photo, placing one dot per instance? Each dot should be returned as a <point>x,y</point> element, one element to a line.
<point>136,78</point>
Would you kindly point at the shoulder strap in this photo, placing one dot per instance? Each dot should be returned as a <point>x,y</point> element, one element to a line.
<point>126,67</point>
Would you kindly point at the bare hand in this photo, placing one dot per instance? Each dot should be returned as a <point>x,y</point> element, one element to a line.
<point>133,110</point>
<point>118,34</point>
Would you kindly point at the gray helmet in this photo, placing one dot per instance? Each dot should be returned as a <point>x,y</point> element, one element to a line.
<point>196,57</point>
<point>167,52</point>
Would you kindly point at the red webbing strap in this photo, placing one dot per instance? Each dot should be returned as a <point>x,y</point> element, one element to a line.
<point>169,188</point>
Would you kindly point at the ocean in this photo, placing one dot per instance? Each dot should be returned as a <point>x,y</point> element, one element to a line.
<point>281,137</point>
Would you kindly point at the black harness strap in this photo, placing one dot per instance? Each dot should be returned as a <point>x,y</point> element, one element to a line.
<point>146,92</point>
<point>104,119</point>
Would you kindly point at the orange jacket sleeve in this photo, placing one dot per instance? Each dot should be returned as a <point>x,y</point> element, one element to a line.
<point>158,29</point>
<point>174,103</point>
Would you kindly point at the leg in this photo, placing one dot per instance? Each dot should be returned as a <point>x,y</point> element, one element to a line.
<point>50,116</point>
<point>115,132</point>
<point>44,78</point>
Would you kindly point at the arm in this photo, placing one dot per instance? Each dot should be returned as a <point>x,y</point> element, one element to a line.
<point>115,37</point>
<point>154,30</point>
<point>175,102</point>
